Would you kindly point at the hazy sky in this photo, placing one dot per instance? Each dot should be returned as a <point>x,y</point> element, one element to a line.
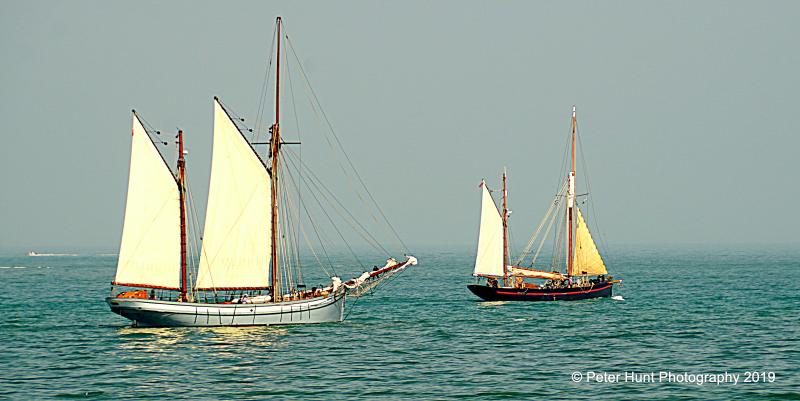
<point>688,110</point>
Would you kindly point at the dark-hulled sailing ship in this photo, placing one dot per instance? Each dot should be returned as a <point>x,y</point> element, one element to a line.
<point>576,271</point>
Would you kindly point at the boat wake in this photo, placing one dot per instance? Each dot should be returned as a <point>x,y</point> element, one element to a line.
<point>493,303</point>
<point>618,298</point>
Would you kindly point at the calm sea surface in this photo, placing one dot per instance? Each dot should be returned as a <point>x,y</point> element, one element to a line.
<point>423,336</point>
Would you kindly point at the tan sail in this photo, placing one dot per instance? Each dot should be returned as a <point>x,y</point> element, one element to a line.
<point>236,237</point>
<point>533,273</point>
<point>489,258</point>
<point>150,250</point>
<point>586,259</point>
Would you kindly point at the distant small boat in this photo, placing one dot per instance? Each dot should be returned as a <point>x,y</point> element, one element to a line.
<point>584,273</point>
<point>32,253</point>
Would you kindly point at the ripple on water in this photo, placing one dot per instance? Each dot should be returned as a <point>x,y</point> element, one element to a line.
<point>410,342</point>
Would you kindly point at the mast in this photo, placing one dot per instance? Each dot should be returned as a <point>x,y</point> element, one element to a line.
<point>274,149</point>
<point>505,231</point>
<point>181,192</point>
<point>571,196</point>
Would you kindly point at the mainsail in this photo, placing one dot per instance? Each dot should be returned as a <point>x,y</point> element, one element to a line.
<point>586,259</point>
<point>489,259</point>
<point>150,250</point>
<point>236,237</point>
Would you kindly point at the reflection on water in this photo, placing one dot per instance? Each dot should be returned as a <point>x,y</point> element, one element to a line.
<point>165,339</point>
<point>410,341</point>
<point>491,304</point>
<point>153,340</point>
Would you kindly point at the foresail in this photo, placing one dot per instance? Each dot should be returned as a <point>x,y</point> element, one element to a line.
<point>236,237</point>
<point>150,250</point>
<point>586,259</point>
<point>489,258</point>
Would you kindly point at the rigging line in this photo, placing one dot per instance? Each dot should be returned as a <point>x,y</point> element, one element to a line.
<point>203,254</point>
<point>341,147</point>
<point>317,230</point>
<point>510,243</point>
<point>366,234</point>
<point>564,170</point>
<point>314,226</point>
<point>559,240</point>
<point>548,213</point>
<point>148,128</point>
<point>590,204</point>
<point>299,139</point>
<point>539,227</point>
<point>388,280</point>
<point>352,308</point>
<point>289,237</point>
<point>345,172</point>
<point>314,253</point>
<point>335,227</point>
<point>546,233</point>
<point>264,87</point>
<point>284,250</point>
<point>190,234</point>
<point>292,235</point>
<point>300,150</point>
<point>374,243</point>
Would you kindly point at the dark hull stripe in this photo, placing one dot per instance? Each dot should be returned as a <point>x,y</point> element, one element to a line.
<point>524,294</point>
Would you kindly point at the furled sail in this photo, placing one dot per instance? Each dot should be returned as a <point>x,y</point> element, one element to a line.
<point>150,250</point>
<point>586,259</point>
<point>489,259</point>
<point>236,237</point>
<point>534,273</point>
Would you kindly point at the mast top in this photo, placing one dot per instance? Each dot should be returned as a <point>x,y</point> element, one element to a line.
<point>573,111</point>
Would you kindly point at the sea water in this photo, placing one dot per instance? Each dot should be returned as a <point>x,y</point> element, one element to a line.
<point>707,311</point>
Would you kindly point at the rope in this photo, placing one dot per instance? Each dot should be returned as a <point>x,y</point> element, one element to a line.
<point>341,147</point>
<point>262,98</point>
<point>353,220</point>
<point>547,216</point>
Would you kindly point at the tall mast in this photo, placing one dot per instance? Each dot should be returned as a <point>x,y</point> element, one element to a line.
<point>274,149</point>
<point>181,192</point>
<point>571,196</point>
<point>505,231</point>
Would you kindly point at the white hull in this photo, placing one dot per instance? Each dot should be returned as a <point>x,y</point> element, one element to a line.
<point>146,312</point>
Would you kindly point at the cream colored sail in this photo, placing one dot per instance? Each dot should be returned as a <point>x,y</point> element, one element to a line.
<point>150,250</point>
<point>534,273</point>
<point>489,258</point>
<point>586,259</point>
<point>236,237</point>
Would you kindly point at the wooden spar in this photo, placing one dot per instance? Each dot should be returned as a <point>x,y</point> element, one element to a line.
<point>505,231</point>
<point>571,201</point>
<point>274,149</point>
<point>181,192</point>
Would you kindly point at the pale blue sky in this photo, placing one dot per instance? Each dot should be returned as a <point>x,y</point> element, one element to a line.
<point>687,109</point>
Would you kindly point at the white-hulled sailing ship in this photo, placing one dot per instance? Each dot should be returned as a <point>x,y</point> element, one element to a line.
<point>576,270</point>
<point>247,274</point>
